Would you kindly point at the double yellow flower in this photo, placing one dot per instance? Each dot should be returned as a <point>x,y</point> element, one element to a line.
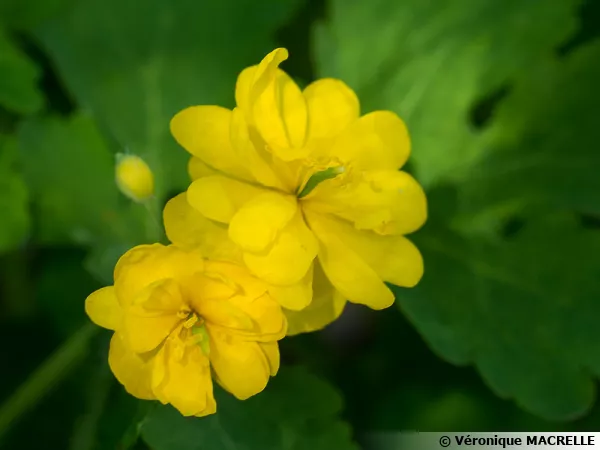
<point>296,204</point>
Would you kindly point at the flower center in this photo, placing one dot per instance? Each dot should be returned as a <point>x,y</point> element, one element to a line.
<point>191,320</point>
<point>318,177</point>
<point>195,325</point>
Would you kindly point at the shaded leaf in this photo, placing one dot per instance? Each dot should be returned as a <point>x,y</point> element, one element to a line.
<point>62,303</point>
<point>430,62</point>
<point>15,14</point>
<point>522,311</point>
<point>70,171</point>
<point>119,424</point>
<point>134,70</point>
<point>14,198</point>
<point>18,79</point>
<point>296,411</point>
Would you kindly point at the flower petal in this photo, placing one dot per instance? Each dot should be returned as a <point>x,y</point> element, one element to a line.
<point>198,169</point>
<point>395,259</point>
<point>143,265</point>
<point>386,201</point>
<point>289,258</point>
<point>271,351</point>
<point>182,378</point>
<point>251,312</point>
<point>256,225</point>
<point>218,197</point>
<point>243,88</point>
<point>133,371</point>
<point>250,149</point>
<point>103,308</point>
<point>241,366</point>
<point>377,141</point>
<point>187,228</point>
<point>152,315</point>
<point>238,275</point>
<point>326,306</point>
<point>204,132</point>
<point>349,274</point>
<point>294,296</point>
<point>274,104</point>
<point>332,107</point>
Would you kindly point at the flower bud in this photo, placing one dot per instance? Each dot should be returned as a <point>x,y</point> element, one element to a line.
<point>134,178</point>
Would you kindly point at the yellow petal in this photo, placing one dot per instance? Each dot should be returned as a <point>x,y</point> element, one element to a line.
<point>289,258</point>
<point>256,225</point>
<point>251,312</point>
<point>152,315</point>
<point>133,371</point>
<point>404,198</point>
<point>271,351</point>
<point>204,132</point>
<point>246,284</point>
<point>349,274</point>
<point>241,366</point>
<point>103,308</point>
<point>387,202</point>
<point>187,228</point>
<point>332,107</point>
<point>394,258</point>
<point>326,306</point>
<point>143,265</point>
<point>243,87</point>
<point>251,150</point>
<point>266,314</point>
<point>198,169</point>
<point>218,197</point>
<point>294,296</point>
<point>274,103</point>
<point>182,378</point>
<point>376,141</point>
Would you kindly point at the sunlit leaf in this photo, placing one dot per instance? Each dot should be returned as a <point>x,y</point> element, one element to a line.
<point>542,147</point>
<point>431,61</point>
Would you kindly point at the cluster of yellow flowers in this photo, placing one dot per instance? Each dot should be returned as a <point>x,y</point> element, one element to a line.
<point>296,206</point>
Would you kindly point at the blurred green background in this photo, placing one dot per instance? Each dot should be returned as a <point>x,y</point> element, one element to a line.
<point>502,99</point>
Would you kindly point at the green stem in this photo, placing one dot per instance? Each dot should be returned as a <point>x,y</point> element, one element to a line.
<point>46,377</point>
<point>154,229</point>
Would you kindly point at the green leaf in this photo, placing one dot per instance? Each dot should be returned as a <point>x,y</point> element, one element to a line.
<point>18,83</point>
<point>523,311</point>
<point>542,145</point>
<point>70,171</point>
<point>297,411</point>
<point>62,304</point>
<point>14,198</point>
<point>430,63</point>
<point>136,68</point>
<point>119,424</point>
<point>15,14</point>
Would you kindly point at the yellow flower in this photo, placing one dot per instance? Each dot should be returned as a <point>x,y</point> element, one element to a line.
<point>303,190</point>
<point>176,316</point>
<point>134,178</point>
